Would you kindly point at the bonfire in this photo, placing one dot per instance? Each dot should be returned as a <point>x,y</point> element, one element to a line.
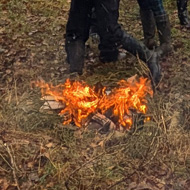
<point>82,102</point>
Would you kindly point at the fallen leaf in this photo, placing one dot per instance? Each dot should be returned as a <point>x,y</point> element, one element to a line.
<point>50,145</point>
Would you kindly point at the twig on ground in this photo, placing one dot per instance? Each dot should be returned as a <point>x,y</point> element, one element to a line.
<point>13,165</point>
<point>5,160</point>
<point>164,124</point>
<point>120,181</point>
<point>15,89</point>
<point>77,169</point>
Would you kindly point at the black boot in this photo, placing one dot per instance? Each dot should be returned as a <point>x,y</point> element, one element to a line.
<point>149,57</point>
<point>183,13</point>
<point>164,32</point>
<point>149,28</point>
<point>108,55</point>
<point>75,55</point>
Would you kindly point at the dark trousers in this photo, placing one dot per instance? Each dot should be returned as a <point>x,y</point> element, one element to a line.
<point>107,13</point>
<point>183,12</point>
<point>182,6</point>
<point>156,6</point>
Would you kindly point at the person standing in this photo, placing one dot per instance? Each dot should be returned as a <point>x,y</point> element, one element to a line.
<point>111,36</point>
<point>183,13</point>
<point>153,15</point>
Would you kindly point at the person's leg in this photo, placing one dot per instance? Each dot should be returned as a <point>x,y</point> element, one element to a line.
<point>126,41</point>
<point>183,13</point>
<point>148,23</point>
<point>93,25</point>
<point>77,31</point>
<point>163,26</point>
<point>107,13</point>
<point>150,57</point>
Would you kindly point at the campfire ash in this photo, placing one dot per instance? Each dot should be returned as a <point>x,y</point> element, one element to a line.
<point>115,109</point>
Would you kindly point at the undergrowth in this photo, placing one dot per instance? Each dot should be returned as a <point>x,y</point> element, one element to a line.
<point>38,152</point>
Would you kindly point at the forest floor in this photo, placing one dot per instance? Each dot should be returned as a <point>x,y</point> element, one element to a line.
<point>38,153</point>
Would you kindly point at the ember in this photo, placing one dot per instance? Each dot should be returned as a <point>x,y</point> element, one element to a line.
<point>81,101</point>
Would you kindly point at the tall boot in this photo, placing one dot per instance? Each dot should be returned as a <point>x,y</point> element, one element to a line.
<point>164,32</point>
<point>149,28</point>
<point>151,58</point>
<point>183,13</point>
<point>75,55</point>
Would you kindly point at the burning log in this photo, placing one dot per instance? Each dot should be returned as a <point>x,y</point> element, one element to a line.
<point>104,123</point>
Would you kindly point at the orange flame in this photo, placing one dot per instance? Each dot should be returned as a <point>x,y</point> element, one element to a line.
<point>81,100</point>
<point>127,96</point>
